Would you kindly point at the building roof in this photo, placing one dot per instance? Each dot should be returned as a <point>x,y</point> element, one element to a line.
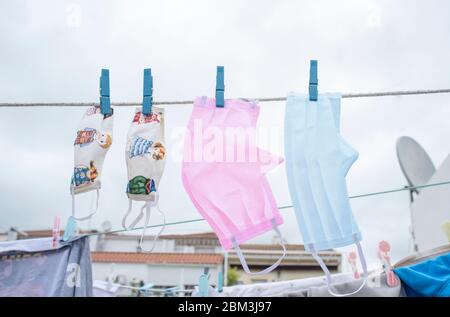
<point>48,233</point>
<point>196,236</point>
<point>172,258</point>
<point>272,247</point>
<point>202,235</point>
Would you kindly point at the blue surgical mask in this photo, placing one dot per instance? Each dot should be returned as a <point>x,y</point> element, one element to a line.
<point>317,162</point>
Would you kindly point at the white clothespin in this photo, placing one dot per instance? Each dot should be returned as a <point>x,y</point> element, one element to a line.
<point>383,254</point>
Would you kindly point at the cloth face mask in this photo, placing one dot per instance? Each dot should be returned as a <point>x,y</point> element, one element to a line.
<point>145,155</point>
<point>317,162</point>
<point>224,174</point>
<point>93,140</point>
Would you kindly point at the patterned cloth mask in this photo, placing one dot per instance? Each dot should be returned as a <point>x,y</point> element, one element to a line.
<point>94,138</point>
<point>145,155</point>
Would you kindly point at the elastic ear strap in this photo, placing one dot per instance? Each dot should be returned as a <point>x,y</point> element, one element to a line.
<point>147,220</point>
<point>136,220</point>
<point>268,269</point>
<point>89,215</point>
<point>328,275</point>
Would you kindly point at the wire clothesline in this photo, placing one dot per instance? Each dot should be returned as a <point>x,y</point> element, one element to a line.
<point>186,102</point>
<point>270,99</point>
<point>409,188</point>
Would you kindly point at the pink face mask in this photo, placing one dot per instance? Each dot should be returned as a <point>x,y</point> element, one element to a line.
<point>223,173</point>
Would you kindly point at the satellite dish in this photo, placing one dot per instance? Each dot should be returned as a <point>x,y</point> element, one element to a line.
<point>415,163</point>
<point>106,226</point>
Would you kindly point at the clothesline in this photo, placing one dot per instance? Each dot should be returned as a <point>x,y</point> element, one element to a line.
<point>282,207</point>
<point>272,99</point>
<point>185,102</point>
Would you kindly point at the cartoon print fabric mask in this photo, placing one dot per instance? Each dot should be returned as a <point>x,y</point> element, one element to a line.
<point>145,155</point>
<point>224,174</point>
<point>317,162</point>
<point>92,142</point>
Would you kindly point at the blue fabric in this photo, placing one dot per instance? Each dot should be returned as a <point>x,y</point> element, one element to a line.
<point>430,278</point>
<point>317,161</point>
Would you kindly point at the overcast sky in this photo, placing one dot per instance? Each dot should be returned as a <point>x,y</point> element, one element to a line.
<point>52,51</point>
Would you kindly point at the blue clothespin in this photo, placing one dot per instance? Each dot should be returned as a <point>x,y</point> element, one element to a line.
<point>70,230</point>
<point>203,283</point>
<point>147,102</point>
<point>220,282</point>
<point>220,87</point>
<point>146,288</point>
<point>313,81</point>
<point>171,291</point>
<point>105,104</point>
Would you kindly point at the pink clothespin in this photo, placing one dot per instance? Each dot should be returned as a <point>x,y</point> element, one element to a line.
<point>383,254</point>
<point>351,258</point>
<point>56,231</point>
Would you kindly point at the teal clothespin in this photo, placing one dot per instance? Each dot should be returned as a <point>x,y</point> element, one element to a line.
<point>220,282</point>
<point>147,102</point>
<point>171,291</point>
<point>146,288</point>
<point>313,81</point>
<point>105,104</point>
<point>220,87</point>
<point>70,229</point>
<point>203,283</point>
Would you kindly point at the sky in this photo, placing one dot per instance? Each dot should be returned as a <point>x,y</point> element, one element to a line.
<point>52,51</point>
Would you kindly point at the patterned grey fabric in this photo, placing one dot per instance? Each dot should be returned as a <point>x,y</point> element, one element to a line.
<point>33,268</point>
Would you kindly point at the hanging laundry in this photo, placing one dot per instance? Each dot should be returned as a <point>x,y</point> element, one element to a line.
<point>145,155</point>
<point>317,162</point>
<point>378,287</point>
<point>312,287</point>
<point>223,172</point>
<point>34,268</point>
<point>430,278</point>
<point>423,256</point>
<point>296,288</point>
<point>93,139</point>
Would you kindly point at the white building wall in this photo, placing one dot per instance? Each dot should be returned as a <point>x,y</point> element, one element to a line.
<point>184,249</point>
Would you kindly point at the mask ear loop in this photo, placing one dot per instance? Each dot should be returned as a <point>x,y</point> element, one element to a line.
<point>145,209</point>
<point>89,215</point>
<point>136,220</point>
<point>148,207</point>
<point>328,275</point>
<point>268,269</point>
